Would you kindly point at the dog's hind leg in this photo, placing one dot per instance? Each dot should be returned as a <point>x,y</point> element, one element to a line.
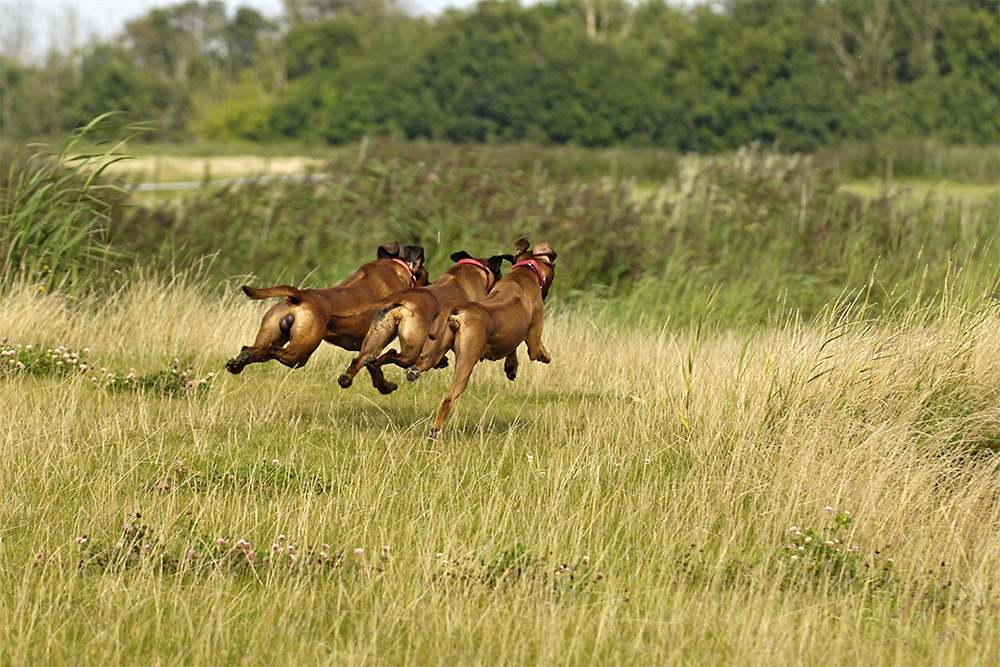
<point>437,345</point>
<point>380,333</point>
<point>273,334</point>
<point>510,365</point>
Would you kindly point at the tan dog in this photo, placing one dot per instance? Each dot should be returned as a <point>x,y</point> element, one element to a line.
<point>292,330</point>
<point>494,327</point>
<point>409,315</point>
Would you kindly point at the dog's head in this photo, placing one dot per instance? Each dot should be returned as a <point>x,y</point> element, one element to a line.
<point>494,264</point>
<point>545,256</point>
<point>413,255</point>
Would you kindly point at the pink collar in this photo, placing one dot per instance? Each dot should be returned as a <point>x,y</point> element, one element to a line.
<point>533,264</point>
<point>413,278</point>
<point>476,262</point>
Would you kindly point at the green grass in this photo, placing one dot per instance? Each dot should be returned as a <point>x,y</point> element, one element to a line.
<point>630,503</point>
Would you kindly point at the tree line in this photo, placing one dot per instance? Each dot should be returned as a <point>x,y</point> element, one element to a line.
<point>706,77</point>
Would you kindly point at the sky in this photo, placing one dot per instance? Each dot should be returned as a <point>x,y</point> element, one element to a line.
<point>28,27</point>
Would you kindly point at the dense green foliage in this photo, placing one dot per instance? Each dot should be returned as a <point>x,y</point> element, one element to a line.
<point>592,72</point>
<point>746,232</point>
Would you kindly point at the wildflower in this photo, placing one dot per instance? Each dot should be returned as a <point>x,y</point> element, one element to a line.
<point>290,549</point>
<point>221,542</point>
<point>649,460</point>
<point>440,555</point>
<point>530,458</point>
<point>809,539</point>
<point>81,540</point>
<point>599,576</point>
<point>192,553</point>
<point>585,560</point>
<point>275,462</point>
<point>385,548</point>
<point>829,543</point>
<point>243,544</point>
<point>326,547</point>
<point>147,547</point>
<point>856,549</point>
<point>39,556</point>
<point>795,556</point>
<point>359,551</point>
<point>828,509</point>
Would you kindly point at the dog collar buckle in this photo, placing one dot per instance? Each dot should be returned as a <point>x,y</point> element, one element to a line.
<point>413,278</point>
<point>476,262</point>
<point>533,264</point>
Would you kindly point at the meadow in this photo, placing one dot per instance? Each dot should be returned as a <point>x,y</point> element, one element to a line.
<point>791,455</point>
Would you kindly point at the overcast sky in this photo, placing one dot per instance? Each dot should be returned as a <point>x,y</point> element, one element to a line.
<point>28,26</point>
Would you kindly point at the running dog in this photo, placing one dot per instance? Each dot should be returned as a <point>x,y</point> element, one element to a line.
<point>292,329</point>
<point>409,315</point>
<point>494,327</point>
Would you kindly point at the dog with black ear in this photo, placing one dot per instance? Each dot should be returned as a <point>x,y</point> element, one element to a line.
<point>409,314</point>
<point>493,327</point>
<point>292,329</point>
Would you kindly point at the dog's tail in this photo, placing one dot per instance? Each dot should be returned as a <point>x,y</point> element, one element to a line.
<point>442,321</point>
<point>293,293</point>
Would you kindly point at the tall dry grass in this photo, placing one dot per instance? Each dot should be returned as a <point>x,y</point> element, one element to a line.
<point>631,503</point>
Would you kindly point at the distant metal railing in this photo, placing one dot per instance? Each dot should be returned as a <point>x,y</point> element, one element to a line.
<point>226,182</point>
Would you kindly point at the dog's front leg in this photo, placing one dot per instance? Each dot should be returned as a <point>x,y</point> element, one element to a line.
<point>536,351</point>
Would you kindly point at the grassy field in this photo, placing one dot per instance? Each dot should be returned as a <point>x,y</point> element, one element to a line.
<point>770,495</point>
<point>770,432</point>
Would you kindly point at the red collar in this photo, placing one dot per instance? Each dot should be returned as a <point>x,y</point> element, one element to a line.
<point>476,262</point>
<point>533,264</point>
<point>413,278</point>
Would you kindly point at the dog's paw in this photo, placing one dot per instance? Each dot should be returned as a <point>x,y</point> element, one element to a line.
<point>434,433</point>
<point>412,374</point>
<point>387,388</point>
<point>443,363</point>
<point>345,380</point>
<point>511,373</point>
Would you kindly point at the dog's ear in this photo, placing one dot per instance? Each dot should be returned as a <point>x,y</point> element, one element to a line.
<point>460,255</point>
<point>389,250</point>
<point>414,256</point>
<point>421,277</point>
<point>495,264</point>
<point>522,244</point>
<point>546,251</point>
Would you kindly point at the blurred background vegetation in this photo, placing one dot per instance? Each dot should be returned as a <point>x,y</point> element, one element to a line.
<point>691,77</point>
<point>738,160</point>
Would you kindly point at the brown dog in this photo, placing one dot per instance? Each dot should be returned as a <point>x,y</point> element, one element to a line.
<point>409,315</point>
<point>292,330</point>
<point>494,327</point>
